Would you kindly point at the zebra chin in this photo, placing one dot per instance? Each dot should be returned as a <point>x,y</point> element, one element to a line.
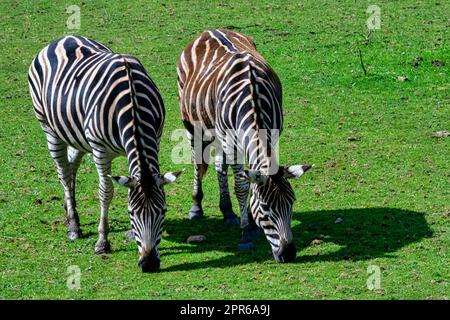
<point>285,253</point>
<point>149,262</point>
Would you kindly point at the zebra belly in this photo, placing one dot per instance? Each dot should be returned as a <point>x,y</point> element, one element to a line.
<point>80,138</point>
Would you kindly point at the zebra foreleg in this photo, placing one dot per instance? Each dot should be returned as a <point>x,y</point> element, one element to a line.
<point>229,217</point>
<point>241,187</point>
<point>58,151</point>
<point>197,194</point>
<point>105,192</point>
<point>200,168</point>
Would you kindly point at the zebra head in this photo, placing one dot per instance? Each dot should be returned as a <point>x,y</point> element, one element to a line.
<point>271,204</point>
<point>147,208</point>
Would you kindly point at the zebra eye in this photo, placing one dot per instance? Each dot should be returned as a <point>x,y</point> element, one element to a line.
<point>264,206</point>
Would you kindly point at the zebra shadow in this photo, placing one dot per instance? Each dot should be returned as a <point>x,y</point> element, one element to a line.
<point>325,235</point>
<point>117,226</point>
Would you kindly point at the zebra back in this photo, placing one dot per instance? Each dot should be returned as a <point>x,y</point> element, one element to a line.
<point>224,83</point>
<point>95,99</point>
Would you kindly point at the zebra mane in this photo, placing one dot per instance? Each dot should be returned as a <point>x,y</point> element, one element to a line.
<point>146,177</point>
<point>256,106</point>
<point>276,179</point>
<point>259,115</point>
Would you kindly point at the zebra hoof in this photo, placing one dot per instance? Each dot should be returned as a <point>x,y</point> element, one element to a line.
<point>231,221</point>
<point>195,213</point>
<point>245,246</point>
<point>102,247</point>
<point>74,235</point>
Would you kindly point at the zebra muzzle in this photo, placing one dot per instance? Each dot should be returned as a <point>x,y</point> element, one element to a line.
<point>150,262</point>
<point>286,252</point>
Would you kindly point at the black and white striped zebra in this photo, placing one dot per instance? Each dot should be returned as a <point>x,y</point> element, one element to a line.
<point>225,84</point>
<point>89,99</point>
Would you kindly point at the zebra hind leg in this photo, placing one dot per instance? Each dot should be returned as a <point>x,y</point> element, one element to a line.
<point>58,151</point>
<point>106,192</point>
<point>229,217</point>
<point>74,157</point>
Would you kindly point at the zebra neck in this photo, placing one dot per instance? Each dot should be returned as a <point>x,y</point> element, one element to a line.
<point>260,157</point>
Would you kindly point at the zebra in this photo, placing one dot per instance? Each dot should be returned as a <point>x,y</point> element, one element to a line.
<point>89,99</point>
<point>224,84</point>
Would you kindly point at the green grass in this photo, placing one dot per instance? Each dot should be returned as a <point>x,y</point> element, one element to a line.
<point>377,166</point>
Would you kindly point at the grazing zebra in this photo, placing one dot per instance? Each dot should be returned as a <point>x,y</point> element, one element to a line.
<point>89,99</point>
<point>224,84</point>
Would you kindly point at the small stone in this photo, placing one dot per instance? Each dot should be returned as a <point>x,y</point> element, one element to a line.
<point>338,220</point>
<point>441,134</point>
<point>196,239</point>
<point>316,242</point>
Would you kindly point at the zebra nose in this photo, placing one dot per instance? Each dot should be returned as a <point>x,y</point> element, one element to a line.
<point>149,262</point>
<point>286,252</point>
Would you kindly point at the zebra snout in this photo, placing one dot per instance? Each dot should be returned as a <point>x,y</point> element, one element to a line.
<point>149,262</point>
<point>286,252</point>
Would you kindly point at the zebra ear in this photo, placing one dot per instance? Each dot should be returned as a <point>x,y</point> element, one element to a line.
<point>295,171</point>
<point>124,181</point>
<point>167,178</point>
<point>254,176</point>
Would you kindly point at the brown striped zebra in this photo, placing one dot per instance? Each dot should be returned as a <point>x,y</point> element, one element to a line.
<point>225,84</point>
<point>89,99</point>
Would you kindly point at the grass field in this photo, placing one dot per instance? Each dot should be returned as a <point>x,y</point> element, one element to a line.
<point>377,166</point>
